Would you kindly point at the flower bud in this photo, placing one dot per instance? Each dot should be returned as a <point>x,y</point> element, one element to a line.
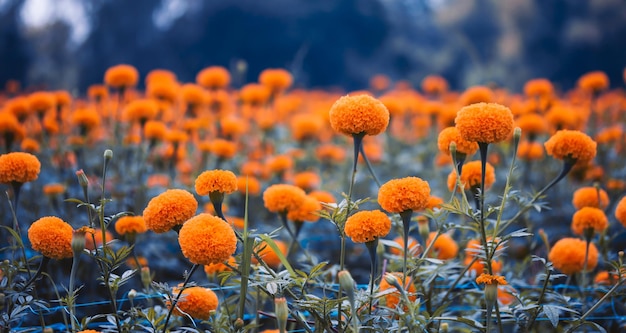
<point>108,154</point>
<point>347,285</point>
<point>239,323</point>
<point>78,242</point>
<point>452,148</point>
<point>146,277</point>
<point>282,312</point>
<point>517,133</point>
<point>132,294</point>
<point>82,178</point>
<point>443,328</point>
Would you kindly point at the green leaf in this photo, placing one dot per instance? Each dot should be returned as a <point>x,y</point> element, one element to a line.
<point>552,313</point>
<point>279,254</point>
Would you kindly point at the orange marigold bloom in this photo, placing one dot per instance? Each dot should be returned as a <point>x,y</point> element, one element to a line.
<point>532,124</point>
<point>52,237</point>
<point>413,246</point>
<point>19,167</point>
<point>360,114</point>
<point>307,180</point>
<point>223,148</point>
<point>223,181</point>
<point>444,247</point>
<point>307,211</point>
<point>169,209</point>
<point>160,75</point>
<point>323,196</point>
<point>130,224</point>
<point>434,85</point>
<point>451,134</point>
<point>254,94</point>
<point>214,77</point>
<point>163,90</point>
<point>276,79</point>
<point>485,122</point>
<point>568,255</point>
<point>253,185</point>
<point>97,92</point>
<point>87,118</point>
<point>491,279</point>
<point>281,198</point>
<point>379,82</point>
<point>197,302</point>
<point>530,151</point>
<point>434,202</point>
<point>404,194</point>
<point>193,94</point>
<point>10,127</point>
<point>367,226</point>
<point>30,145</point>
<point>589,218</point>
<point>477,94</point>
<point>154,130</point>
<point>97,235</point>
<point>206,239</point>
<point>280,163</point>
<point>53,189</point>
<point>19,107</point>
<point>471,176</point>
<point>141,110</point>
<point>561,117</point>
<point>392,295</point>
<point>212,269</point>
<point>232,127</point>
<point>88,331</point>
<point>594,81</point>
<point>575,145</point>
<point>393,103</point>
<point>330,153</point>
<point>620,211</point>
<point>538,88</point>
<point>268,255</point>
<point>590,196</point>
<point>121,76</point>
<point>41,101</point>
<point>479,266</point>
<point>306,127</point>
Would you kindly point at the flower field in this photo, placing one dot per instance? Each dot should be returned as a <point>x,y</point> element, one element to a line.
<point>210,207</point>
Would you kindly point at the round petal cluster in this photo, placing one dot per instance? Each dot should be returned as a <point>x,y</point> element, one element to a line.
<point>141,110</point>
<point>250,184</point>
<point>491,279</point>
<point>620,211</point>
<point>130,225</point>
<point>41,101</point>
<point>568,255</point>
<point>52,237</point>
<point>19,167</point>
<point>88,118</point>
<point>223,181</point>
<point>444,247</point>
<point>413,247</point>
<point>281,198</point>
<point>198,302</point>
<point>477,94</point>
<point>530,151</point>
<point>485,122</point>
<point>590,196</point>
<point>10,127</point>
<point>223,148</point>
<point>307,211</point>
<point>532,124</point>
<point>213,269</point>
<point>367,226</point>
<point>268,255</point>
<point>471,176</point>
<point>538,88</point>
<point>392,296</point>
<point>276,79</point>
<point>121,76</point>
<point>306,126</point>
<point>155,130</point>
<point>561,117</point>
<point>357,115</point>
<point>193,94</point>
<point>589,218</point>
<point>451,134</point>
<point>594,81</point>
<point>254,94</point>
<point>307,180</point>
<point>571,144</point>
<point>169,209</point>
<point>214,77</point>
<point>404,194</point>
<point>206,239</point>
<point>434,84</point>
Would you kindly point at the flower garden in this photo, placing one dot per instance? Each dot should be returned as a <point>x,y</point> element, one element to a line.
<point>205,207</point>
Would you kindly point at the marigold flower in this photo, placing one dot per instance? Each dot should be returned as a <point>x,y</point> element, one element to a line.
<point>19,167</point>
<point>530,151</point>
<point>434,202</point>
<point>10,128</point>
<point>232,127</point>
<point>97,235</point>
<point>19,107</point>
<point>130,224</point>
<point>41,101</point>
<point>477,94</point>
<point>169,209</point>
<point>532,124</point>
<point>323,196</point>
<point>193,95</point>
<point>451,134</point>
<point>268,255</point>
<point>357,115</point>
<point>160,75</point>
<point>379,82</point>
<point>87,118</point>
<point>163,90</point>
<point>141,110</point>
<point>307,180</point>
<point>214,77</point>
<point>413,246</point>
<point>97,92</point>
<point>30,145</point>
<point>197,302</point>
<point>393,103</point>
<point>620,211</point>
<point>444,247</point>
<point>254,94</point>
<point>434,85</point>
<point>88,331</point>
<point>307,211</point>
<point>330,153</point>
<point>280,163</point>
<point>53,189</point>
<point>206,239</point>
<point>281,198</point>
<point>491,279</point>
<point>154,130</point>
<point>484,122</point>
<point>594,81</point>
<point>223,181</point>
<point>52,237</point>
<point>568,255</point>
<point>471,174</point>
<point>306,127</point>
<point>561,117</point>
<point>538,88</point>
<point>212,269</point>
<point>392,295</point>
<point>404,194</point>
<point>367,226</point>
<point>121,76</point>
<point>223,148</point>
<point>250,184</point>
<point>575,145</point>
<point>590,196</point>
<point>276,79</point>
<point>589,218</point>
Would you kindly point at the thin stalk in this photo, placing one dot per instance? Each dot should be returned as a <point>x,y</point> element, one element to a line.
<point>180,292</point>
<point>484,147</point>
<point>369,166</point>
<point>371,247</point>
<point>71,292</point>
<point>595,306</point>
<point>406,220</point>
<point>531,322</point>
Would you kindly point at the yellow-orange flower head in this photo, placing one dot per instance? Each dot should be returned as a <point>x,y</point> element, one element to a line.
<point>197,302</point>
<point>130,225</point>
<point>392,299</point>
<point>19,167</point>
<point>367,226</point>
<point>169,209</point>
<point>121,76</point>
<point>491,279</point>
<point>451,134</point>
<point>568,255</point>
<point>307,211</point>
<point>214,77</point>
<point>571,144</point>
<point>206,239</point>
<point>357,115</point>
<point>589,218</point>
<point>485,122</point>
<point>276,79</point>
<point>471,176</point>
<point>222,181</point>
<point>590,197</point>
<point>268,255</point>
<point>281,198</point>
<point>620,211</point>
<point>444,247</point>
<point>594,81</point>
<point>399,195</point>
<point>52,237</point>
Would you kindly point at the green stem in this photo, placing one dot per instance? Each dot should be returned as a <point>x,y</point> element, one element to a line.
<point>369,166</point>
<point>406,220</point>
<point>531,322</point>
<point>484,147</point>
<point>71,297</point>
<point>371,247</point>
<point>180,292</point>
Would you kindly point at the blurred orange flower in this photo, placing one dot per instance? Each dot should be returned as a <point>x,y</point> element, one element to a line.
<point>574,145</point>
<point>568,255</point>
<point>121,76</point>
<point>19,167</point>
<point>471,176</point>
<point>589,218</point>
<point>451,134</point>
<point>281,198</point>
<point>130,224</point>
<point>590,196</point>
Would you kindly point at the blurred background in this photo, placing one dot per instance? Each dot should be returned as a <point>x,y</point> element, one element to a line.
<point>68,44</point>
